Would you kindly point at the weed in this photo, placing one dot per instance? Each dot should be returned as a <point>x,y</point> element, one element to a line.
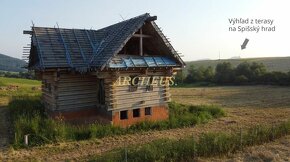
<point>208,144</point>
<point>28,118</point>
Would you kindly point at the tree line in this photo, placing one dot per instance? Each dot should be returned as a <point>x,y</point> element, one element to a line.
<point>25,75</point>
<point>225,74</point>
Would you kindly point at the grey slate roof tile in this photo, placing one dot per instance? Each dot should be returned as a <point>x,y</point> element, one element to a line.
<point>80,48</point>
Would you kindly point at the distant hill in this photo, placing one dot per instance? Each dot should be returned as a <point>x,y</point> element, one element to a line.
<point>12,64</point>
<point>272,63</point>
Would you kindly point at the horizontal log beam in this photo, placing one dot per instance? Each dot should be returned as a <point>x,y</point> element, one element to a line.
<point>27,32</point>
<point>142,35</point>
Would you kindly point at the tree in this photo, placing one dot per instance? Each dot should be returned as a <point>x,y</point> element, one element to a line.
<point>200,74</point>
<point>257,70</point>
<point>191,70</point>
<point>244,73</point>
<point>275,77</point>
<point>244,69</point>
<point>179,78</point>
<point>194,74</point>
<point>224,73</point>
<point>252,71</point>
<point>208,74</point>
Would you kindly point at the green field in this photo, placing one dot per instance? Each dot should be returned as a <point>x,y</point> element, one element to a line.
<point>272,63</point>
<point>14,87</point>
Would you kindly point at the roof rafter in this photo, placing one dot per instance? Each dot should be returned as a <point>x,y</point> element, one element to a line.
<point>67,54</point>
<point>39,48</point>
<point>80,48</point>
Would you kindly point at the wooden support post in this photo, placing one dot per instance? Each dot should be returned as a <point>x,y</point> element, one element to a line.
<point>26,139</point>
<point>141,43</point>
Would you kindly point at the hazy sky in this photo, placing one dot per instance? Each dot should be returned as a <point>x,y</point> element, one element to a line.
<point>197,28</point>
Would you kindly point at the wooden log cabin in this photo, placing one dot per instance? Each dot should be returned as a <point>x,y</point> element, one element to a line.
<point>80,71</point>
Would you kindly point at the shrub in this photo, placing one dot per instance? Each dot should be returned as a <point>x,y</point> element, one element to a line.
<point>26,75</point>
<point>226,74</point>
<point>275,77</point>
<point>241,79</point>
<point>29,118</point>
<point>198,74</point>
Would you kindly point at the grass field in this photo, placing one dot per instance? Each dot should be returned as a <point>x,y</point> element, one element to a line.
<point>246,106</point>
<point>13,87</point>
<point>9,88</point>
<point>235,96</point>
<point>271,63</point>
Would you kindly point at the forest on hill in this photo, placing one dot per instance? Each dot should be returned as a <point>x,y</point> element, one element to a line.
<point>11,64</point>
<point>281,64</point>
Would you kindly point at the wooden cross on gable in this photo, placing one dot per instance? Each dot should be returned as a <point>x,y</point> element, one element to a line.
<point>141,36</point>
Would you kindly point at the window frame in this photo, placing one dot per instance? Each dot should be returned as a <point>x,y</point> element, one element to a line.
<point>101,92</point>
<point>149,88</point>
<point>138,113</point>
<point>150,111</point>
<point>121,118</point>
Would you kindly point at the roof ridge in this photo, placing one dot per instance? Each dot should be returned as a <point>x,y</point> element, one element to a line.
<point>145,17</point>
<point>93,29</point>
<point>125,20</point>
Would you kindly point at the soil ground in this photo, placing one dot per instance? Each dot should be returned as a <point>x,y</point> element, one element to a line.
<point>246,106</point>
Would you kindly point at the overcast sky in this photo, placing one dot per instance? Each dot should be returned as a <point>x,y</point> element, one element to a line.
<point>197,28</point>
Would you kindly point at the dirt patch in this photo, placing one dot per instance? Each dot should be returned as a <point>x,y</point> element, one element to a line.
<point>10,88</point>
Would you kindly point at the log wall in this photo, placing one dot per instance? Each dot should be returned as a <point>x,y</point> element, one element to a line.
<point>119,97</point>
<point>49,92</point>
<point>75,91</point>
<point>69,92</point>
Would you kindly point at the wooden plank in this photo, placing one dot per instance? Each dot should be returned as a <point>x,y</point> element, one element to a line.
<point>137,100</point>
<point>76,93</point>
<point>125,89</point>
<point>27,32</point>
<point>118,93</point>
<point>72,105</point>
<point>141,43</point>
<point>79,96</point>
<point>66,85</point>
<point>126,107</point>
<point>76,106</point>
<point>143,36</point>
<point>134,101</point>
<point>137,96</point>
<point>76,79</point>
<point>78,101</point>
<point>79,88</point>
